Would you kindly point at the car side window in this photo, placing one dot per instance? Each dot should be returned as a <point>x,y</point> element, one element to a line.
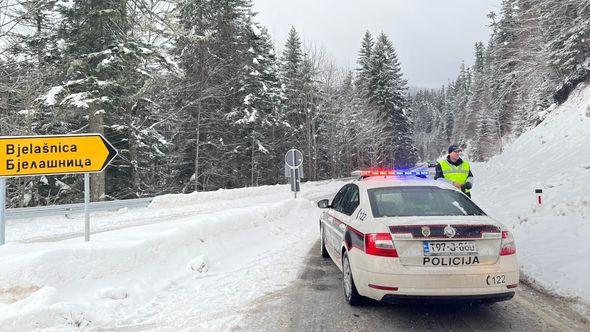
<point>336,202</point>
<point>351,200</point>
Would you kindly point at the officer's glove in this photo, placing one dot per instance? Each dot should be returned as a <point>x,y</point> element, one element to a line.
<point>467,185</point>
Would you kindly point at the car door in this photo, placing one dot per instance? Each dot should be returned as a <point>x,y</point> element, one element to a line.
<point>331,232</point>
<point>343,213</point>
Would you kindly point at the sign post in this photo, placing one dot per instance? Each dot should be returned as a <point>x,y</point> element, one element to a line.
<point>2,210</point>
<point>293,163</point>
<point>86,207</point>
<point>53,154</point>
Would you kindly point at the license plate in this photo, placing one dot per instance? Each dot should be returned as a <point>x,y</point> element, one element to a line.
<point>448,248</point>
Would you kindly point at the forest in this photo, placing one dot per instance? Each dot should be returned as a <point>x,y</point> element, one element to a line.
<point>195,97</point>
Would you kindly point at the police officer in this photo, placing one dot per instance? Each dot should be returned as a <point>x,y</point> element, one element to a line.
<point>455,170</point>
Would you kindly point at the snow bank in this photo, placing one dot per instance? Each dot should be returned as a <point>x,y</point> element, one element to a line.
<point>190,271</point>
<point>553,238</point>
<point>175,200</point>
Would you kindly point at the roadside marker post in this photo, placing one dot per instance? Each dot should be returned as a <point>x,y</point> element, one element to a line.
<point>539,196</point>
<point>51,155</point>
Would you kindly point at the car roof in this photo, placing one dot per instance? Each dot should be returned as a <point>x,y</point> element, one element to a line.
<point>398,181</point>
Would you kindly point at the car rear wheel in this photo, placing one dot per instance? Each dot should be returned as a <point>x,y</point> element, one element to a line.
<point>323,250</point>
<point>350,292</point>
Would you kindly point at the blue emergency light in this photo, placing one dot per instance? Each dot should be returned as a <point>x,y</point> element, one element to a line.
<point>365,174</point>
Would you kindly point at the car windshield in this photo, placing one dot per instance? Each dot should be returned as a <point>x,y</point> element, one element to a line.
<point>420,201</point>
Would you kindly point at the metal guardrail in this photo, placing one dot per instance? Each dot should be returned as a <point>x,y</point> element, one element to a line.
<point>65,209</point>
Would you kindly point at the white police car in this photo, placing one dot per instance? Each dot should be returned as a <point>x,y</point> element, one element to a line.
<point>403,238</point>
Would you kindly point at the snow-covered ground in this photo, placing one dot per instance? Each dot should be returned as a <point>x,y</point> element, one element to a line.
<point>193,262</point>
<point>553,239</point>
<point>207,257</point>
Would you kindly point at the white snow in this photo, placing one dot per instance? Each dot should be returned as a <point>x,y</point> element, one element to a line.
<point>261,147</point>
<point>65,3</point>
<point>173,64</point>
<point>61,185</point>
<point>193,262</point>
<point>27,198</point>
<point>105,62</point>
<point>553,239</point>
<point>79,99</point>
<point>255,29</point>
<point>49,98</point>
<point>44,180</point>
<point>247,99</point>
<point>27,112</point>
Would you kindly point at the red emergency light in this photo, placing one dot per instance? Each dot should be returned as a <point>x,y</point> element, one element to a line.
<point>386,172</point>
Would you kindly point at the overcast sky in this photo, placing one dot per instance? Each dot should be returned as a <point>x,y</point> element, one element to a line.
<point>431,37</point>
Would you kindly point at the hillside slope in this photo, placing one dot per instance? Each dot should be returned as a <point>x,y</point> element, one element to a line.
<point>553,238</point>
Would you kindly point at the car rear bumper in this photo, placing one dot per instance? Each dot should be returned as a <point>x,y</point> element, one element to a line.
<point>482,298</point>
<point>391,279</point>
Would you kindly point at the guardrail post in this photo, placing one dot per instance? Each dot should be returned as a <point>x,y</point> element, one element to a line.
<point>87,207</point>
<point>2,210</point>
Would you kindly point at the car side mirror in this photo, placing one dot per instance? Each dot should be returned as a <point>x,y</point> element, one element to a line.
<point>324,203</point>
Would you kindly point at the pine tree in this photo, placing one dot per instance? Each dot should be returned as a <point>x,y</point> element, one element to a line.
<point>459,100</point>
<point>292,78</point>
<point>364,63</point>
<point>258,118</point>
<point>94,72</point>
<point>387,91</point>
<point>502,57</point>
<point>567,28</point>
<point>474,104</point>
<point>535,78</point>
<point>368,124</point>
<point>30,52</point>
<point>298,74</point>
<point>211,50</point>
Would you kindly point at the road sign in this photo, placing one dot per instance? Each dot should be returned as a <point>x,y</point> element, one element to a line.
<point>293,158</point>
<point>293,162</point>
<point>54,154</point>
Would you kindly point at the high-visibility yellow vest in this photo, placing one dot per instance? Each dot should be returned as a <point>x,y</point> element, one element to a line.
<point>454,173</point>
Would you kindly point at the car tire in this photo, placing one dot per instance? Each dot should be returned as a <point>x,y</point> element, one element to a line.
<point>323,250</point>
<point>350,293</point>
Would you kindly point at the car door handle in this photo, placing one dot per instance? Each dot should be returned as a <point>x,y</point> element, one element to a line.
<point>342,227</point>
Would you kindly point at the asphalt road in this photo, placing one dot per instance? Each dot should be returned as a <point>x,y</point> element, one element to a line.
<point>315,302</point>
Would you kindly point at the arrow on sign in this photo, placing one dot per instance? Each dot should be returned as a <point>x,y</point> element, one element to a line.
<point>54,154</point>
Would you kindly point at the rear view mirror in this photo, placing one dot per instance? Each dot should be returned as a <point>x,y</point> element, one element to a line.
<point>324,203</point>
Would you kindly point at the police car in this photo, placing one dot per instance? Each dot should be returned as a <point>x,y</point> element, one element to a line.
<point>397,237</point>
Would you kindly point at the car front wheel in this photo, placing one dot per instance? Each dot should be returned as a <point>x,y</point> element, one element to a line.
<point>350,292</point>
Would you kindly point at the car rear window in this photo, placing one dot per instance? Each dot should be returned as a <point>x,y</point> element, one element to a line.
<point>420,201</point>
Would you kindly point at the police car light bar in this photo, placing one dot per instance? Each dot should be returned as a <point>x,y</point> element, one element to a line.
<point>365,174</point>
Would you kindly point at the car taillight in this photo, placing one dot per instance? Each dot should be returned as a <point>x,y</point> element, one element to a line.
<point>380,244</point>
<point>507,247</point>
